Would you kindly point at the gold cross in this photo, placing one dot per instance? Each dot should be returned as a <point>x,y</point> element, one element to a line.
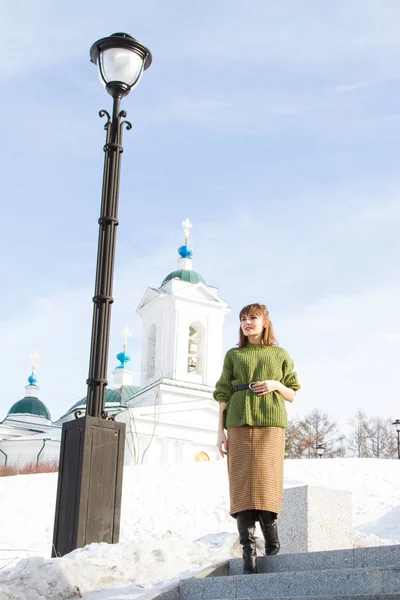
<point>35,356</point>
<point>187,226</point>
<point>126,333</point>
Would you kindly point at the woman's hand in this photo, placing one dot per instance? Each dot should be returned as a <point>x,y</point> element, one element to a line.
<point>222,443</point>
<point>265,387</point>
<point>270,385</point>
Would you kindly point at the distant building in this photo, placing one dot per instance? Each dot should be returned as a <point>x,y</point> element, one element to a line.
<point>171,418</point>
<point>27,434</point>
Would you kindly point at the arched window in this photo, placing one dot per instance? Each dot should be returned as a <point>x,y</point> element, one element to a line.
<point>151,352</point>
<point>195,350</point>
<point>201,456</point>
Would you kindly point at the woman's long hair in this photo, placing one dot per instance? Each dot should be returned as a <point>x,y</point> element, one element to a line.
<point>268,336</point>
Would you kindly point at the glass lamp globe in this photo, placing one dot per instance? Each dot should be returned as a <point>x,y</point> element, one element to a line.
<point>121,61</point>
<point>320,449</point>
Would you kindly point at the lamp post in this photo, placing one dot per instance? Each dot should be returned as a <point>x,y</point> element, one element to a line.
<point>92,446</point>
<point>320,450</point>
<point>396,423</point>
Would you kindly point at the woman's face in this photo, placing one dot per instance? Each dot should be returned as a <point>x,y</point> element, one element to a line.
<point>252,324</point>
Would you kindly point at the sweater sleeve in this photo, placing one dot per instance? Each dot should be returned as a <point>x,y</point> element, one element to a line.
<point>289,378</point>
<point>223,387</point>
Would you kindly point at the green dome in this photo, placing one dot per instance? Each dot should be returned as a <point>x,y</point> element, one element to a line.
<point>30,406</point>
<point>184,275</point>
<point>119,396</point>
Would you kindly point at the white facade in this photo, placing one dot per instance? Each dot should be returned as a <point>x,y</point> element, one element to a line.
<point>32,449</point>
<point>172,433</point>
<point>182,328</point>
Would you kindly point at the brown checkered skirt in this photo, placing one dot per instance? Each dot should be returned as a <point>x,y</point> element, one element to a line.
<point>255,468</point>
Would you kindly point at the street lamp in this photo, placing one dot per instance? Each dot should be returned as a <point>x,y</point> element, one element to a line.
<point>320,450</point>
<point>92,447</point>
<point>396,423</point>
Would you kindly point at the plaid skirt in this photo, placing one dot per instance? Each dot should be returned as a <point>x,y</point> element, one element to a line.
<point>255,468</point>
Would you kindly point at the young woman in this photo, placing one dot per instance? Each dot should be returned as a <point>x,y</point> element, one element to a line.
<point>257,378</point>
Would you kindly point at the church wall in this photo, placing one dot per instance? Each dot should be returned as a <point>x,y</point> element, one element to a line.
<point>160,317</point>
<point>214,348</point>
<point>175,433</point>
<point>167,452</point>
<point>22,451</point>
<point>167,394</point>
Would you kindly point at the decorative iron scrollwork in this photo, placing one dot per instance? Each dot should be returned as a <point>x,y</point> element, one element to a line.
<point>104,113</point>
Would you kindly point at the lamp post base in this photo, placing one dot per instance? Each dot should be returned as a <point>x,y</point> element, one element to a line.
<point>88,505</point>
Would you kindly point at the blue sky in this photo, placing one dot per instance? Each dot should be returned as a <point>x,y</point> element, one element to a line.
<point>273,126</point>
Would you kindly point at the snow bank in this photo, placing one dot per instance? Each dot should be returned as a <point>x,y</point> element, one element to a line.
<point>174,522</point>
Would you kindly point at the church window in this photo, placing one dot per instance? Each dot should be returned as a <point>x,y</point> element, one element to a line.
<point>151,352</point>
<point>194,364</point>
<point>201,456</point>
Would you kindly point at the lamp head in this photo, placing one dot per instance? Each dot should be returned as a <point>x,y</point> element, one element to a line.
<point>320,449</point>
<point>121,61</point>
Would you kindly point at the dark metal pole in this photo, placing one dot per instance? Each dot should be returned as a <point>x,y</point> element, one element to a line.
<point>396,423</point>
<point>88,504</point>
<point>108,222</point>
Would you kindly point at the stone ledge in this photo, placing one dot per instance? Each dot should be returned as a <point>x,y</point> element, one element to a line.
<point>315,519</point>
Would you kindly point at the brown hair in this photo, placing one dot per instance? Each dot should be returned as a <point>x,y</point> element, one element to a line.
<point>268,336</point>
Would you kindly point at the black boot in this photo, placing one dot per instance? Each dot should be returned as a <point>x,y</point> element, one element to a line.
<point>246,524</point>
<point>270,531</point>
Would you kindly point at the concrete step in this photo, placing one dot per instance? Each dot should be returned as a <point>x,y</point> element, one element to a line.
<point>378,556</point>
<point>339,582</point>
<point>351,597</point>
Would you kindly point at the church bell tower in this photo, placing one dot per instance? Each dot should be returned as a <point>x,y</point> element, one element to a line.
<point>182,330</point>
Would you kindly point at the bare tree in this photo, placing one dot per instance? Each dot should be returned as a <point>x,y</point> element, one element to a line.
<point>373,437</point>
<point>358,439</point>
<point>381,438</point>
<point>303,436</point>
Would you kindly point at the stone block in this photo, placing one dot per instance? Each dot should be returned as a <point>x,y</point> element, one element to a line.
<point>314,519</point>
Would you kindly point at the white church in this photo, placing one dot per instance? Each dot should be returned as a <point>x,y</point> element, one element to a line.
<point>171,418</point>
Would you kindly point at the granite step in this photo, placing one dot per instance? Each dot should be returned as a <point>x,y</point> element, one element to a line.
<point>340,582</point>
<point>378,556</point>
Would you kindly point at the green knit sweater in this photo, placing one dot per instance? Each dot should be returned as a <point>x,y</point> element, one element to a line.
<point>255,363</point>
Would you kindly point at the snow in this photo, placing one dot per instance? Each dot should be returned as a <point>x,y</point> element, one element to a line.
<point>174,523</point>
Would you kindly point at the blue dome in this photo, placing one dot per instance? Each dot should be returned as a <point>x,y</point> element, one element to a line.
<point>32,379</point>
<point>185,252</point>
<point>123,358</point>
